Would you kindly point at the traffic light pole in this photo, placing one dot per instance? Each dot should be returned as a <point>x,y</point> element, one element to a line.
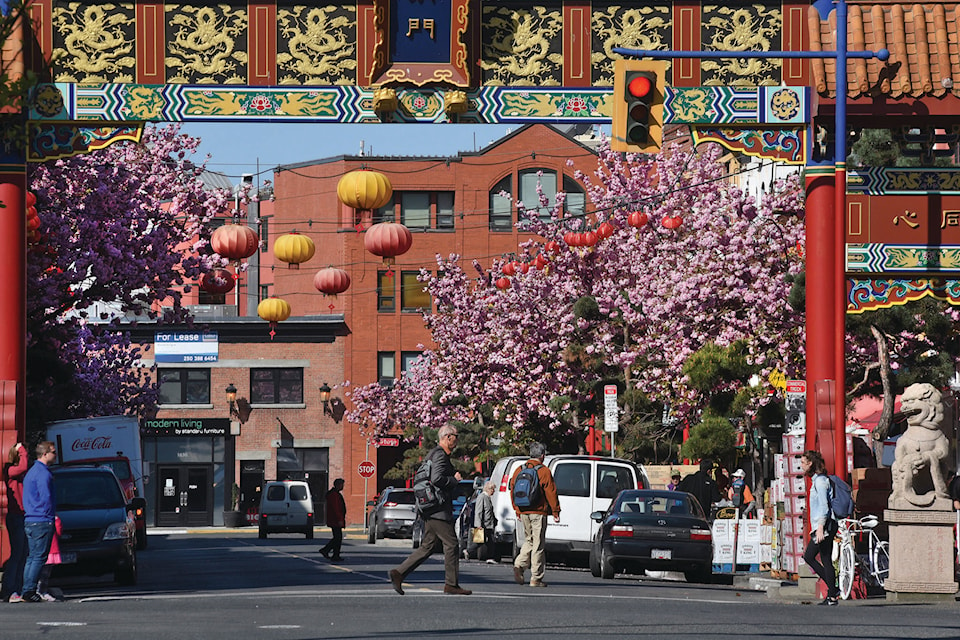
<point>838,285</point>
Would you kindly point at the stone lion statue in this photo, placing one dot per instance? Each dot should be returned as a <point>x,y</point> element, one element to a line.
<point>919,466</point>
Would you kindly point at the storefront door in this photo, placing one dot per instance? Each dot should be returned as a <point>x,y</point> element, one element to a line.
<point>186,496</point>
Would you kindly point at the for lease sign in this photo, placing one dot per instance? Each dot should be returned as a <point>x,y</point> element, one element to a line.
<point>186,346</point>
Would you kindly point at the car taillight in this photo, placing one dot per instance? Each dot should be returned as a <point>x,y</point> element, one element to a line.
<point>503,483</point>
<point>621,531</point>
<point>390,504</point>
<point>699,534</point>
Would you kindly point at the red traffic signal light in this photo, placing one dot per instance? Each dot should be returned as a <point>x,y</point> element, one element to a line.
<point>637,115</point>
<point>641,90</point>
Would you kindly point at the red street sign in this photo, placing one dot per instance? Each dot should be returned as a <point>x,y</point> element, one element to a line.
<point>388,442</point>
<point>366,469</point>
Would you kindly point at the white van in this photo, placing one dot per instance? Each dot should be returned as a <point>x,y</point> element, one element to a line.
<point>584,484</point>
<point>286,507</point>
<point>503,505</point>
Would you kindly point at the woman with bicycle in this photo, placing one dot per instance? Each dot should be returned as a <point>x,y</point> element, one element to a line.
<point>822,525</point>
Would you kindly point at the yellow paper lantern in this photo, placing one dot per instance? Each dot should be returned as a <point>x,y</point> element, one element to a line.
<point>293,248</point>
<point>274,310</point>
<point>364,189</point>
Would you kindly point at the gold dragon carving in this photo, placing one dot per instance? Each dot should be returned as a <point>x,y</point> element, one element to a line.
<point>634,28</point>
<point>95,45</point>
<point>516,48</point>
<point>203,48</point>
<point>741,28</point>
<point>321,49</point>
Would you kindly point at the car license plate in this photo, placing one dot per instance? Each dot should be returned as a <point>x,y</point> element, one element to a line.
<point>660,554</point>
<point>406,522</point>
<point>68,558</point>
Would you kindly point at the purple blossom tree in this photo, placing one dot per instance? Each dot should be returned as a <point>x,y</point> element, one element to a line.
<point>121,229</point>
<point>657,295</point>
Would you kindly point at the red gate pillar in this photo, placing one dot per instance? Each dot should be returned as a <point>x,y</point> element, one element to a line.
<point>821,303</point>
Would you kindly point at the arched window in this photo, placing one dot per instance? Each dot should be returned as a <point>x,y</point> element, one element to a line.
<point>501,211</point>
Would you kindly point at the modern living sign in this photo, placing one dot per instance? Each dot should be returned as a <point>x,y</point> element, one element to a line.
<point>185,427</point>
<point>186,346</point>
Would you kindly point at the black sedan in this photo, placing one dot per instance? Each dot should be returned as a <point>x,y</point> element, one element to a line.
<point>655,530</point>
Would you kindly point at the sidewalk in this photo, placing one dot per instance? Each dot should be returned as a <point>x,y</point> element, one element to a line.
<point>353,533</point>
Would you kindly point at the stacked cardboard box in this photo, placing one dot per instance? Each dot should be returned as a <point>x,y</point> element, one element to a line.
<point>794,494</point>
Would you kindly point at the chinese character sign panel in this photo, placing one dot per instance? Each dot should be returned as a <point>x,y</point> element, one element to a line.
<point>421,31</point>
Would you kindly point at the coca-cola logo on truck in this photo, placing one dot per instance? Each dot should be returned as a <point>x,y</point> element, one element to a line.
<point>91,444</point>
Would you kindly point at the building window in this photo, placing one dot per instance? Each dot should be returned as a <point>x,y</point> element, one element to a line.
<point>415,209</point>
<point>184,386</point>
<point>445,210</point>
<point>501,213</point>
<point>264,235</point>
<point>576,202</point>
<point>529,179</point>
<point>276,386</point>
<point>264,291</point>
<point>386,368</point>
<point>386,291</point>
<point>387,212</point>
<point>413,293</point>
<point>408,360</point>
<point>205,297</point>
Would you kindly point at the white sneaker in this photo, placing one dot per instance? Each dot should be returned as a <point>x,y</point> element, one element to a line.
<point>47,597</point>
<point>491,561</point>
<point>15,597</point>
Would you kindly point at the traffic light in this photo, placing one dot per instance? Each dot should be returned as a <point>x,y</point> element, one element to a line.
<point>638,106</point>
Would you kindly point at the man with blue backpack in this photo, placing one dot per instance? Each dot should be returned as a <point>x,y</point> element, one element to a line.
<point>534,496</point>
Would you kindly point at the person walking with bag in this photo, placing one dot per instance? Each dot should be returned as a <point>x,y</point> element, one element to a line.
<point>336,520</point>
<point>13,473</point>
<point>533,514</point>
<point>822,525</point>
<point>438,525</point>
<point>485,522</point>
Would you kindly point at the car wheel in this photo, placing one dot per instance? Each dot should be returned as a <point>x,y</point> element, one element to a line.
<point>310,533</point>
<point>702,574</point>
<point>606,569</point>
<point>594,562</point>
<point>263,533</point>
<point>371,534</point>
<point>416,536</point>
<point>379,533</point>
<point>126,572</point>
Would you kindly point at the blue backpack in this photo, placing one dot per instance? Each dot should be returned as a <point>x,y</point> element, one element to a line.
<point>842,503</point>
<point>527,492</point>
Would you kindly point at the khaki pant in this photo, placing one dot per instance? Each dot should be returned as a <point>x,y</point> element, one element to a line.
<point>532,554</point>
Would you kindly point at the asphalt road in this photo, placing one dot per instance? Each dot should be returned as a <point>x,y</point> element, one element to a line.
<point>233,585</point>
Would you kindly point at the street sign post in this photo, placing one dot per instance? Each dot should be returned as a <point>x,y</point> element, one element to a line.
<point>611,416</point>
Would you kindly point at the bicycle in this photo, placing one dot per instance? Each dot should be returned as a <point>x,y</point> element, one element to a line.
<point>874,564</point>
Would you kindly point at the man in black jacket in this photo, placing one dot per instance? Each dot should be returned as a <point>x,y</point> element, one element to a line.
<point>702,486</point>
<point>438,525</point>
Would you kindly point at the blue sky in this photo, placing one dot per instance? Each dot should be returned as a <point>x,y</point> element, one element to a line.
<point>250,147</point>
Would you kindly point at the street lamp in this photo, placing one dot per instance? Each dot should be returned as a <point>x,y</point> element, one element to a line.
<point>232,401</point>
<point>325,391</point>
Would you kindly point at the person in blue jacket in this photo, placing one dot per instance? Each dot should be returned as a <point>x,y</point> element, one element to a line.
<point>39,515</point>
<point>822,525</point>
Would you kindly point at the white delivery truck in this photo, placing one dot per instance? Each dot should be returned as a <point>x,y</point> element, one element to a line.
<point>108,441</point>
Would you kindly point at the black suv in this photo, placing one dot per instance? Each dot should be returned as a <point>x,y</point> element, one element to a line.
<point>98,531</point>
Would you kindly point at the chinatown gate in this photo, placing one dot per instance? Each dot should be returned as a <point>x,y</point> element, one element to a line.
<point>116,66</point>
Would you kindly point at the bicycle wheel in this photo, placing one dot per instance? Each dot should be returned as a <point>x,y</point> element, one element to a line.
<point>881,562</point>
<point>848,565</point>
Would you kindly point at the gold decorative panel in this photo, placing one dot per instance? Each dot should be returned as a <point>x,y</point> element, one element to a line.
<point>522,45</point>
<point>632,26</point>
<point>94,42</point>
<point>741,27</point>
<point>206,44</point>
<point>316,45</point>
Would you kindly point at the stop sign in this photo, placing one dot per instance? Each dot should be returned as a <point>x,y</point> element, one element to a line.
<point>366,469</point>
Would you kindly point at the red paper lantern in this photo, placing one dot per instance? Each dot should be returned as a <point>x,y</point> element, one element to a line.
<point>508,269</point>
<point>388,240</point>
<point>522,266</point>
<point>588,239</point>
<point>503,283</point>
<point>605,230</point>
<point>217,281</point>
<point>31,199</point>
<point>637,219</point>
<point>671,222</point>
<point>235,242</point>
<point>552,246</point>
<point>540,262</point>
<point>572,239</point>
<point>331,281</point>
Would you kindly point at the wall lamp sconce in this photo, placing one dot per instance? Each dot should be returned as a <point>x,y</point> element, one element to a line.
<point>239,408</point>
<point>332,407</point>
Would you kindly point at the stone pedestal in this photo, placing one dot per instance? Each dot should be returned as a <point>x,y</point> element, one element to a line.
<point>921,551</point>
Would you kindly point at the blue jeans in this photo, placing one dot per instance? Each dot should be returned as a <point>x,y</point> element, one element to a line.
<point>39,537</point>
<point>13,572</point>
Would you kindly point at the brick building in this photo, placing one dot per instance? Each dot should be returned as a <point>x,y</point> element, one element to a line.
<point>367,334</point>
